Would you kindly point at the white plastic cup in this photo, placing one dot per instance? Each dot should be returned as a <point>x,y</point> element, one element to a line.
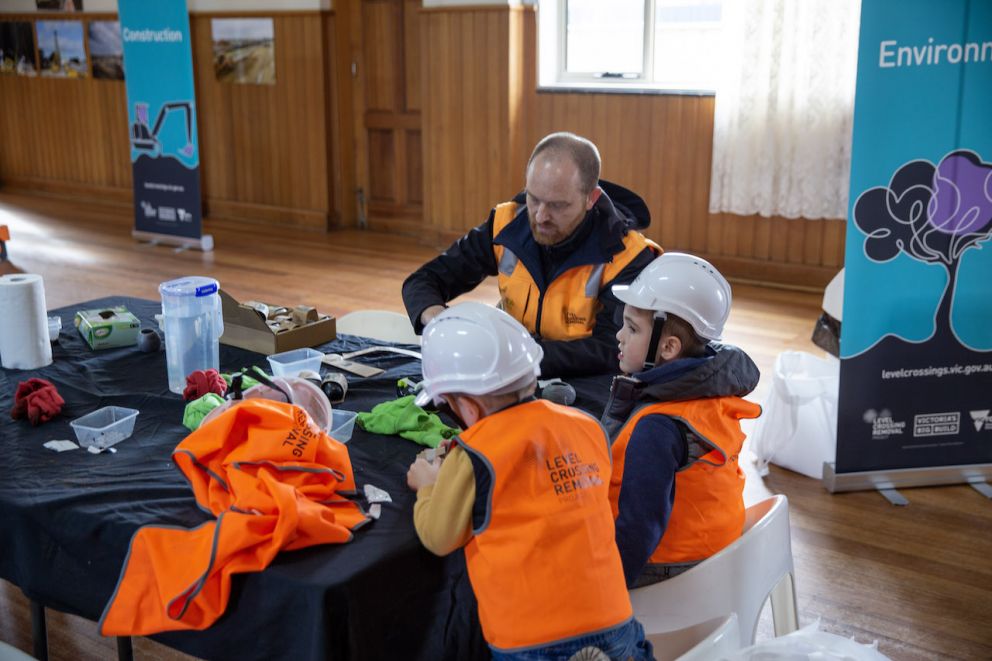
<point>193,323</point>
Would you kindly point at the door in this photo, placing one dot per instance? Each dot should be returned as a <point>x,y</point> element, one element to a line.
<point>390,166</point>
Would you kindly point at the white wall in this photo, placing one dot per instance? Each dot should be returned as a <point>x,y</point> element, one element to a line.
<point>110,6</point>
<point>477,3</point>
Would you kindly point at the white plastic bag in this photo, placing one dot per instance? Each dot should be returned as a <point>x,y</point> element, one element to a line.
<point>798,424</point>
<point>809,644</point>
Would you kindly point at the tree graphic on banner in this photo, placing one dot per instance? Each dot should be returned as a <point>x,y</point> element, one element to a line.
<point>930,213</point>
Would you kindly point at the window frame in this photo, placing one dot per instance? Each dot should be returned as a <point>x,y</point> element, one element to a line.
<point>556,78</point>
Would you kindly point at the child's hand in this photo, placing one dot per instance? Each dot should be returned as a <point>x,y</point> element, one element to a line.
<point>422,473</point>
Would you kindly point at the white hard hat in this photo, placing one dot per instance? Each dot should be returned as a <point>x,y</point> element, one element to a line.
<point>476,349</point>
<point>684,285</point>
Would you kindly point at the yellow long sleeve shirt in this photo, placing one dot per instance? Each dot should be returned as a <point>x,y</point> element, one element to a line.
<point>442,514</point>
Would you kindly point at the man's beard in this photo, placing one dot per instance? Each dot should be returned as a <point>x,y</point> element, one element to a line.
<point>556,237</point>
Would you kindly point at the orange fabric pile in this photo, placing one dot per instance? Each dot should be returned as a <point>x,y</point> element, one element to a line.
<point>273,480</point>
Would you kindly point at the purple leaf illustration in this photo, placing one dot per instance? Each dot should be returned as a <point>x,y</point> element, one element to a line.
<point>962,201</point>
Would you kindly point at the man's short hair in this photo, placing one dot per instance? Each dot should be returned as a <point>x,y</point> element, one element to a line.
<point>581,150</point>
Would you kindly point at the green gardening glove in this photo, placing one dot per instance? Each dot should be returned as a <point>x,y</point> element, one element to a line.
<point>198,409</point>
<point>404,418</point>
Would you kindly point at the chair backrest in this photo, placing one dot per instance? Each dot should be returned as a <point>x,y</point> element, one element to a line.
<point>738,579</point>
<point>381,325</point>
<point>712,639</point>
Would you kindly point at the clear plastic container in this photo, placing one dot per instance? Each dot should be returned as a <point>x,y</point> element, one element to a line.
<point>193,323</point>
<point>291,363</point>
<point>342,424</point>
<point>305,395</point>
<point>104,427</point>
<point>54,328</point>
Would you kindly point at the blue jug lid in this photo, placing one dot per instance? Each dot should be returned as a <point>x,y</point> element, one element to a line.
<point>193,285</point>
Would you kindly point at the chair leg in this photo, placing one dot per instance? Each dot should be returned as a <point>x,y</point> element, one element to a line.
<point>39,631</point>
<point>785,612</point>
<point>124,649</point>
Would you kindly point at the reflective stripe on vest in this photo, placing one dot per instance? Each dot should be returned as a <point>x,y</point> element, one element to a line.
<point>708,513</point>
<point>544,564</point>
<point>571,301</point>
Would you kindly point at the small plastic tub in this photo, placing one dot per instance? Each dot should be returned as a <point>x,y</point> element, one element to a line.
<point>54,328</point>
<point>342,424</point>
<point>104,427</point>
<point>291,363</point>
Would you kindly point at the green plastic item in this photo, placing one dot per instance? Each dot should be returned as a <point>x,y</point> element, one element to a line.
<point>246,381</point>
<point>198,409</point>
<point>403,417</point>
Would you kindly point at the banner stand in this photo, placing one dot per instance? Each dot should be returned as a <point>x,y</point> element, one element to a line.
<point>915,393</point>
<point>205,242</point>
<point>165,157</point>
<point>887,481</point>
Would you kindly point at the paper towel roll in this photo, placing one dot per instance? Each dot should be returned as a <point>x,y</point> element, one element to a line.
<point>24,343</point>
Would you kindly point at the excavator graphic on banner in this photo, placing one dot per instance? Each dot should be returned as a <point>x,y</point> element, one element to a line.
<point>145,139</point>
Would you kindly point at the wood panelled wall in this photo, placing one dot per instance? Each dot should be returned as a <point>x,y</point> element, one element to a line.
<point>658,145</point>
<point>474,142</point>
<point>430,129</point>
<point>64,135</point>
<point>264,149</point>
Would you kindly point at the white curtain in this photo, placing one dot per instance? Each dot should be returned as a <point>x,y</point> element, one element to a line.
<point>785,107</point>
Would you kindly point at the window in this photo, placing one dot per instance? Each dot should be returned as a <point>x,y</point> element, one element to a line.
<point>630,44</point>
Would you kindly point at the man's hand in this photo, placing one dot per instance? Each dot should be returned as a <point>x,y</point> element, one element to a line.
<point>422,473</point>
<point>430,313</point>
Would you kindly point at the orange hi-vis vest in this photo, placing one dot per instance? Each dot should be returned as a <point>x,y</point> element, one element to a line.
<point>543,563</point>
<point>274,482</point>
<point>708,513</point>
<point>567,308</point>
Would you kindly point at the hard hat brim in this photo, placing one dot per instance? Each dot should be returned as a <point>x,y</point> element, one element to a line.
<point>423,399</point>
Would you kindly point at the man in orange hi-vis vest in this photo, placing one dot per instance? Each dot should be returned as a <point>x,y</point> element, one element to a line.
<point>524,491</point>
<point>274,481</point>
<point>555,249</point>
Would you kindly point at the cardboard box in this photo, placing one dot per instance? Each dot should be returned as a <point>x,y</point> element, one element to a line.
<point>108,327</point>
<point>246,328</point>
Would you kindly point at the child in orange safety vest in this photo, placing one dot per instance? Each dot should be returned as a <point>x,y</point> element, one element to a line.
<point>524,491</point>
<point>673,418</point>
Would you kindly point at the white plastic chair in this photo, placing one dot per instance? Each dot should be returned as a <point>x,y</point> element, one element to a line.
<point>712,639</point>
<point>381,325</point>
<point>11,653</point>
<point>738,579</point>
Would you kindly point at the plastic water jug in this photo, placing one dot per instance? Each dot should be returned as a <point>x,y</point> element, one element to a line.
<point>193,321</point>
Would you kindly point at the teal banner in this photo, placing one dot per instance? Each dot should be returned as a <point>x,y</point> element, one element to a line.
<point>916,338</point>
<point>165,159</point>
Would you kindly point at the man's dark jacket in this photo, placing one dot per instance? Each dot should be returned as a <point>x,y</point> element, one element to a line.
<point>470,260</point>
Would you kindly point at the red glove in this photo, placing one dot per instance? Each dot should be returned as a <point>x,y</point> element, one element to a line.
<point>37,400</point>
<point>200,382</point>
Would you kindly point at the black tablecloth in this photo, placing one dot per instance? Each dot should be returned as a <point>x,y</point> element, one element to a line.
<point>67,518</point>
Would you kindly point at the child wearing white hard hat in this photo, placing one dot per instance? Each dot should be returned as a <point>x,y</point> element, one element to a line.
<point>524,491</point>
<point>676,489</point>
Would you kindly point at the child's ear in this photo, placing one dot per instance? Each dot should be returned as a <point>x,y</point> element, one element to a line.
<point>475,408</point>
<point>669,348</point>
<point>468,408</point>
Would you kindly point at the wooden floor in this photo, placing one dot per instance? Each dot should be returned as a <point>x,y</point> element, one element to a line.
<point>917,579</point>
